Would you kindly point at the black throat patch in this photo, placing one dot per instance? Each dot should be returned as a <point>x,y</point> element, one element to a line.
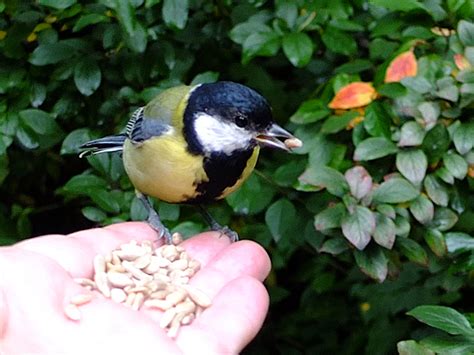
<point>223,171</point>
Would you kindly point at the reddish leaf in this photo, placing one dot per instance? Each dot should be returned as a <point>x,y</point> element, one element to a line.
<point>402,66</point>
<point>461,62</point>
<point>353,95</point>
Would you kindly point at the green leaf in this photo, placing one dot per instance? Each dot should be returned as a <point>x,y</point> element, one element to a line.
<point>298,48</point>
<point>445,344</point>
<point>395,190</point>
<point>385,231</point>
<point>334,246</point>
<point>168,211</point>
<point>411,347</point>
<point>418,83</point>
<point>413,251</point>
<point>84,184</point>
<point>39,121</point>
<point>175,13</point>
<point>444,318</point>
<point>51,53</point>
<point>330,217</point>
<point>287,10</point>
<point>279,217</point>
<point>466,32</point>
<point>339,42</point>
<point>87,76</point>
<point>94,214</point>
<point>286,175</point>
<point>325,177</point>
<point>137,40</point>
<point>74,139</point>
<point>89,19</point>
<point>402,226</point>
<point>359,180</point>
<point>57,4</point>
<point>411,134</point>
<point>374,148</point>
<point>445,175</point>
<point>392,90</point>
<point>436,191</point>
<point>430,112</point>
<point>37,94</point>
<point>412,164</point>
<point>187,229</point>
<point>456,165</point>
<point>373,263</point>
<point>138,211</point>
<point>377,120</point>
<point>265,44</point>
<point>444,219</point>
<point>436,142</point>
<point>358,226</point>
<point>252,197</point>
<point>463,138</point>
<point>399,5</point>
<point>310,111</point>
<point>354,67</point>
<point>105,200</point>
<point>243,30</point>
<point>422,209</point>
<point>206,77</point>
<point>337,123</point>
<point>459,242</point>
<point>435,240</point>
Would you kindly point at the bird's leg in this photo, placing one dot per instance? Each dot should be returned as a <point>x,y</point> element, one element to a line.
<point>154,219</point>
<point>215,226</point>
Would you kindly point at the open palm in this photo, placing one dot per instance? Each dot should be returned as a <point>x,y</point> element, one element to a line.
<point>36,282</point>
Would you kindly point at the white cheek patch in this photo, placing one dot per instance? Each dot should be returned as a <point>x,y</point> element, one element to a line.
<point>216,135</point>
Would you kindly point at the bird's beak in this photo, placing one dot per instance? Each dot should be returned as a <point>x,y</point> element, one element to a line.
<point>277,137</point>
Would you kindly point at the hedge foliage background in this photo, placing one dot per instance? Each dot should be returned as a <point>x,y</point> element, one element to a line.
<point>373,217</point>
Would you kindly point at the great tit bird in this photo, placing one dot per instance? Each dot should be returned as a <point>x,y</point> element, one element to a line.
<point>194,145</point>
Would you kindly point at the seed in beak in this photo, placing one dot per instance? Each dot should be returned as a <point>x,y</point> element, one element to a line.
<point>293,143</point>
<point>271,138</point>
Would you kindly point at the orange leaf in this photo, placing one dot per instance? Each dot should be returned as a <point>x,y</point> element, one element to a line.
<point>402,66</point>
<point>353,95</point>
<point>461,62</point>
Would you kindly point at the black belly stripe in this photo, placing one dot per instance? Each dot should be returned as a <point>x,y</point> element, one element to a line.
<point>223,171</point>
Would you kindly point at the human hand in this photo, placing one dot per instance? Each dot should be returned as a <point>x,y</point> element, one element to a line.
<point>36,282</point>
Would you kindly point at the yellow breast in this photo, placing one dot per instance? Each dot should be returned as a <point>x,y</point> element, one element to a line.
<point>161,167</point>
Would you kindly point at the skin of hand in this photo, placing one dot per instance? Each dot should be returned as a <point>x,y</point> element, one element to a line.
<point>36,282</point>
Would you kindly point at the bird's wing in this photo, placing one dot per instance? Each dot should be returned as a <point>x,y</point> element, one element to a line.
<point>159,116</point>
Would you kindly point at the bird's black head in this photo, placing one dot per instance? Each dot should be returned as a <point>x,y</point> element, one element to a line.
<point>232,102</point>
<point>225,117</point>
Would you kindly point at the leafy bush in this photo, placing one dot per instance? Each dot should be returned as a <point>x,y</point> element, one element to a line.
<point>381,92</point>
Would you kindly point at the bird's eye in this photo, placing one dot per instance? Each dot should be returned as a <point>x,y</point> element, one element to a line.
<point>241,121</point>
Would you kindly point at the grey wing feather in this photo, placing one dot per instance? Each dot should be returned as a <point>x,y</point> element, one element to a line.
<point>138,129</point>
<point>141,128</point>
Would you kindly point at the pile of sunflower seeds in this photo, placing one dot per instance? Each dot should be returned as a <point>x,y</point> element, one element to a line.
<point>137,275</point>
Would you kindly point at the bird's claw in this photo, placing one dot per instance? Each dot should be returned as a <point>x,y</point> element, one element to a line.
<point>224,230</point>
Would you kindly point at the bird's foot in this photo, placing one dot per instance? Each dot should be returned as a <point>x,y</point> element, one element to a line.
<point>154,219</point>
<point>160,229</point>
<point>155,222</point>
<point>224,230</point>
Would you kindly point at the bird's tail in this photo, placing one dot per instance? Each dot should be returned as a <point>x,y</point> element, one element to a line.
<point>103,145</point>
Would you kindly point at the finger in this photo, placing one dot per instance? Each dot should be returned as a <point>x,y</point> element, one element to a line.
<point>76,251</point>
<point>3,314</point>
<point>244,258</point>
<point>235,317</point>
<point>35,300</point>
<point>205,246</point>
